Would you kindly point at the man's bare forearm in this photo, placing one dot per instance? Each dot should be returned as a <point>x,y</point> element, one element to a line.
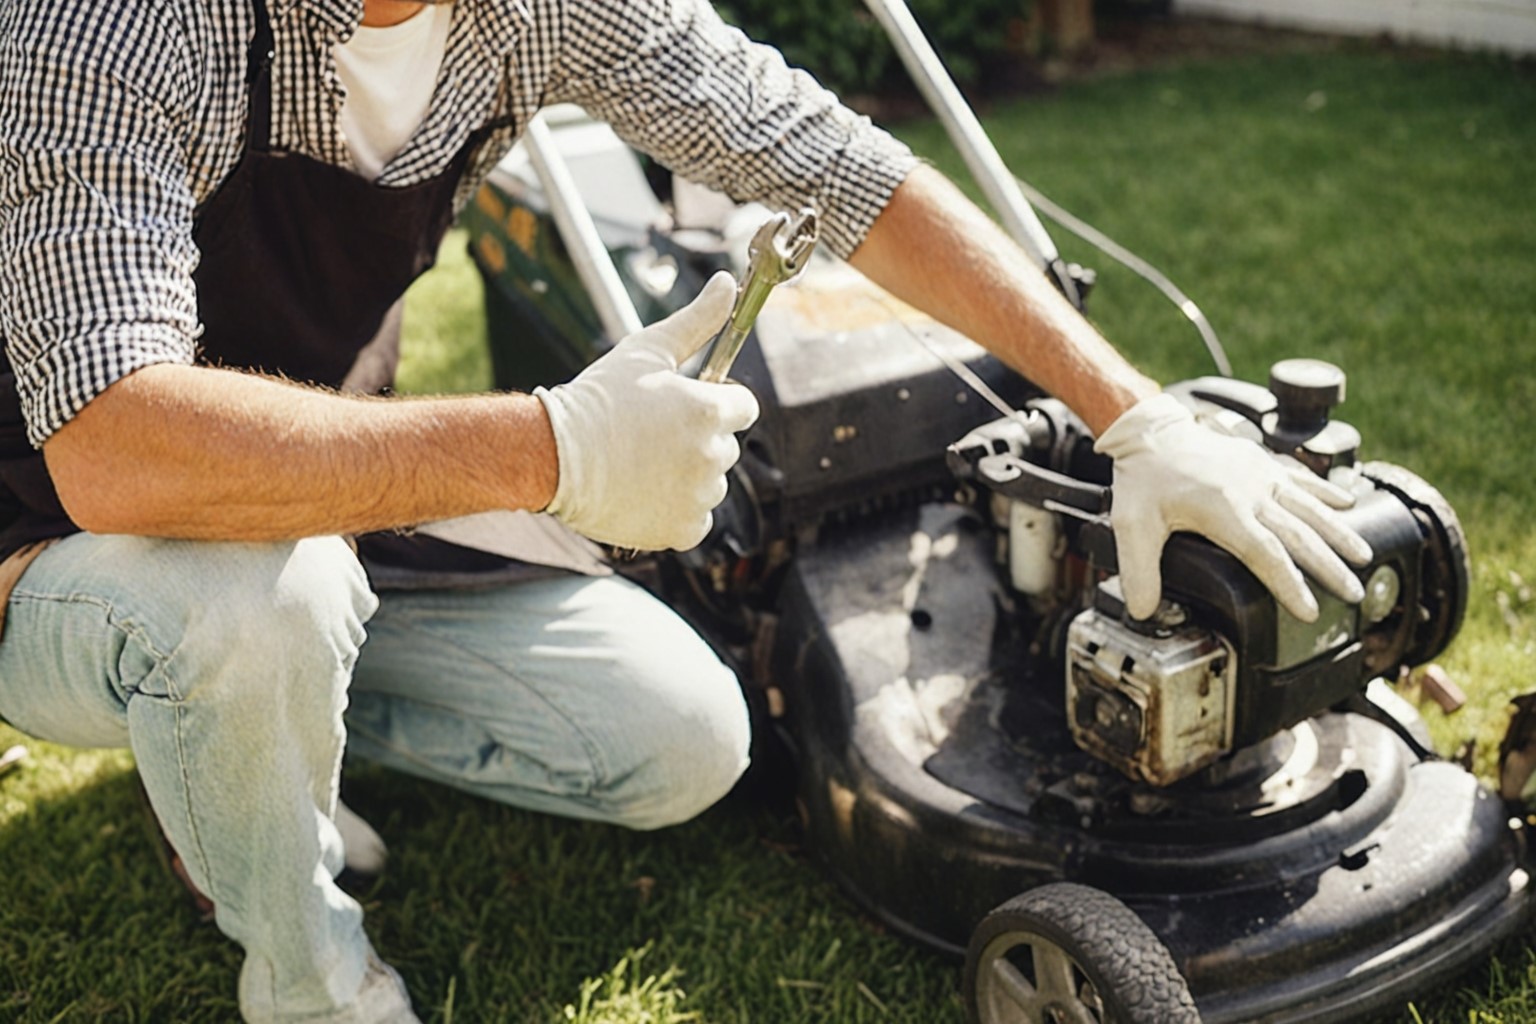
<point>933,248</point>
<point>193,452</point>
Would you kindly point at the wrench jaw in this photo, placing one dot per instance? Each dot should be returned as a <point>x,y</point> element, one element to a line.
<point>793,242</point>
<point>779,252</point>
<point>764,238</point>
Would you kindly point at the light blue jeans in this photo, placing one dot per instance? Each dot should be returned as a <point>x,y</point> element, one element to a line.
<point>229,668</point>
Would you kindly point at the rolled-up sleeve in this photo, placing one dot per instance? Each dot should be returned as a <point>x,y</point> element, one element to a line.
<point>96,249</point>
<point>717,108</point>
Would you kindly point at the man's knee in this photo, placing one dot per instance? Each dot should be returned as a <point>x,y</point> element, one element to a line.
<point>258,591</point>
<point>697,755</point>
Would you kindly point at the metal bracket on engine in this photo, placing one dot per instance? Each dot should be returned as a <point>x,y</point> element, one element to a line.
<point>991,455</point>
<point>1033,484</point>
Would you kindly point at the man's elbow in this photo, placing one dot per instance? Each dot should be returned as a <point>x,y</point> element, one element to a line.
<point>100,460</point>
<point>80,480</point>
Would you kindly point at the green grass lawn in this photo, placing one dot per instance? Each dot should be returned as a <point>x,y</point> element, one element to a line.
<point>1370,207</point>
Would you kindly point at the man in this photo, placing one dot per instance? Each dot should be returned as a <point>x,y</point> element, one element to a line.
<point>196,189</point>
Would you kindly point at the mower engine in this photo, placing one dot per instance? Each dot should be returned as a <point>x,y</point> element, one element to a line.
<point>1221,665</point>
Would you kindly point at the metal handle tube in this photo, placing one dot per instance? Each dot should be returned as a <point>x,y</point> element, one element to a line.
<point>594,264</point>
<point>751,296</point>
<point>718,366</point>
<point>965,131</point>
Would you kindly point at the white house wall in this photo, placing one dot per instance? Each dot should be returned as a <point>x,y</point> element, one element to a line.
<point>1504,25</point>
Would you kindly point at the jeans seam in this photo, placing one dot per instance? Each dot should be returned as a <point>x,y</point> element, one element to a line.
<point>186,785</point>
<point>137,635</point>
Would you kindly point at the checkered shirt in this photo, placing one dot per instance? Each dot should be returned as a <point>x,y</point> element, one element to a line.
<point>120,118</point>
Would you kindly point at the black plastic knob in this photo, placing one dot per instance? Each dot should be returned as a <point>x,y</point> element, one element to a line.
<point>1305,390</point>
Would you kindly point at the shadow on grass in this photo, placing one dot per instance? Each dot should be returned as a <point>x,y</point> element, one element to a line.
<point>490,913</point>
<point>91,925</point>
<point>494,914</point>
<point>499,914</point>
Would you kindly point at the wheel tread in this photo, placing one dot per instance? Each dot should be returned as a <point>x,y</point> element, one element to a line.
<point>1138,980</point>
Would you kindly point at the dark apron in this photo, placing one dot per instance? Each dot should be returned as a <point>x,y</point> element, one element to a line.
<point>302,266</point>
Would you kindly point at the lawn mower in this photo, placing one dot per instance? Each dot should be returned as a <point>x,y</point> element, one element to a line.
<point>1221,813</point>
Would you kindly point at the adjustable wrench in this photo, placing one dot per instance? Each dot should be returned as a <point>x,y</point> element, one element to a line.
<point>777,253</point>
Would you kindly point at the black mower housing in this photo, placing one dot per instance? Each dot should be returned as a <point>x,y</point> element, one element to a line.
<point>1321,869</point>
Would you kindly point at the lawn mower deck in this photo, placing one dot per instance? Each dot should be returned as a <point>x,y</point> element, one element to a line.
<point>1317,876</point>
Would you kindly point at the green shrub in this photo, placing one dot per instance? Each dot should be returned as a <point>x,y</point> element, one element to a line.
<point>841,43</point>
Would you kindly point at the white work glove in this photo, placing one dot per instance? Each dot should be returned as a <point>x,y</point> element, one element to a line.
<point>1171,473</point>
<point>644,450</point>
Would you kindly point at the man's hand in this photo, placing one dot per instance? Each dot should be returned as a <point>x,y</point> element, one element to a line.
<point>1171,474</point>
<point>644,450</point>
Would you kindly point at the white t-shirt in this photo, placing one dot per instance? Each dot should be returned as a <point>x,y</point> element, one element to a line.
<point>390,74</point>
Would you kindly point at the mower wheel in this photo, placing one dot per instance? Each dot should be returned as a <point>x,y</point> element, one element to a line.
<point>1071,954</point>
